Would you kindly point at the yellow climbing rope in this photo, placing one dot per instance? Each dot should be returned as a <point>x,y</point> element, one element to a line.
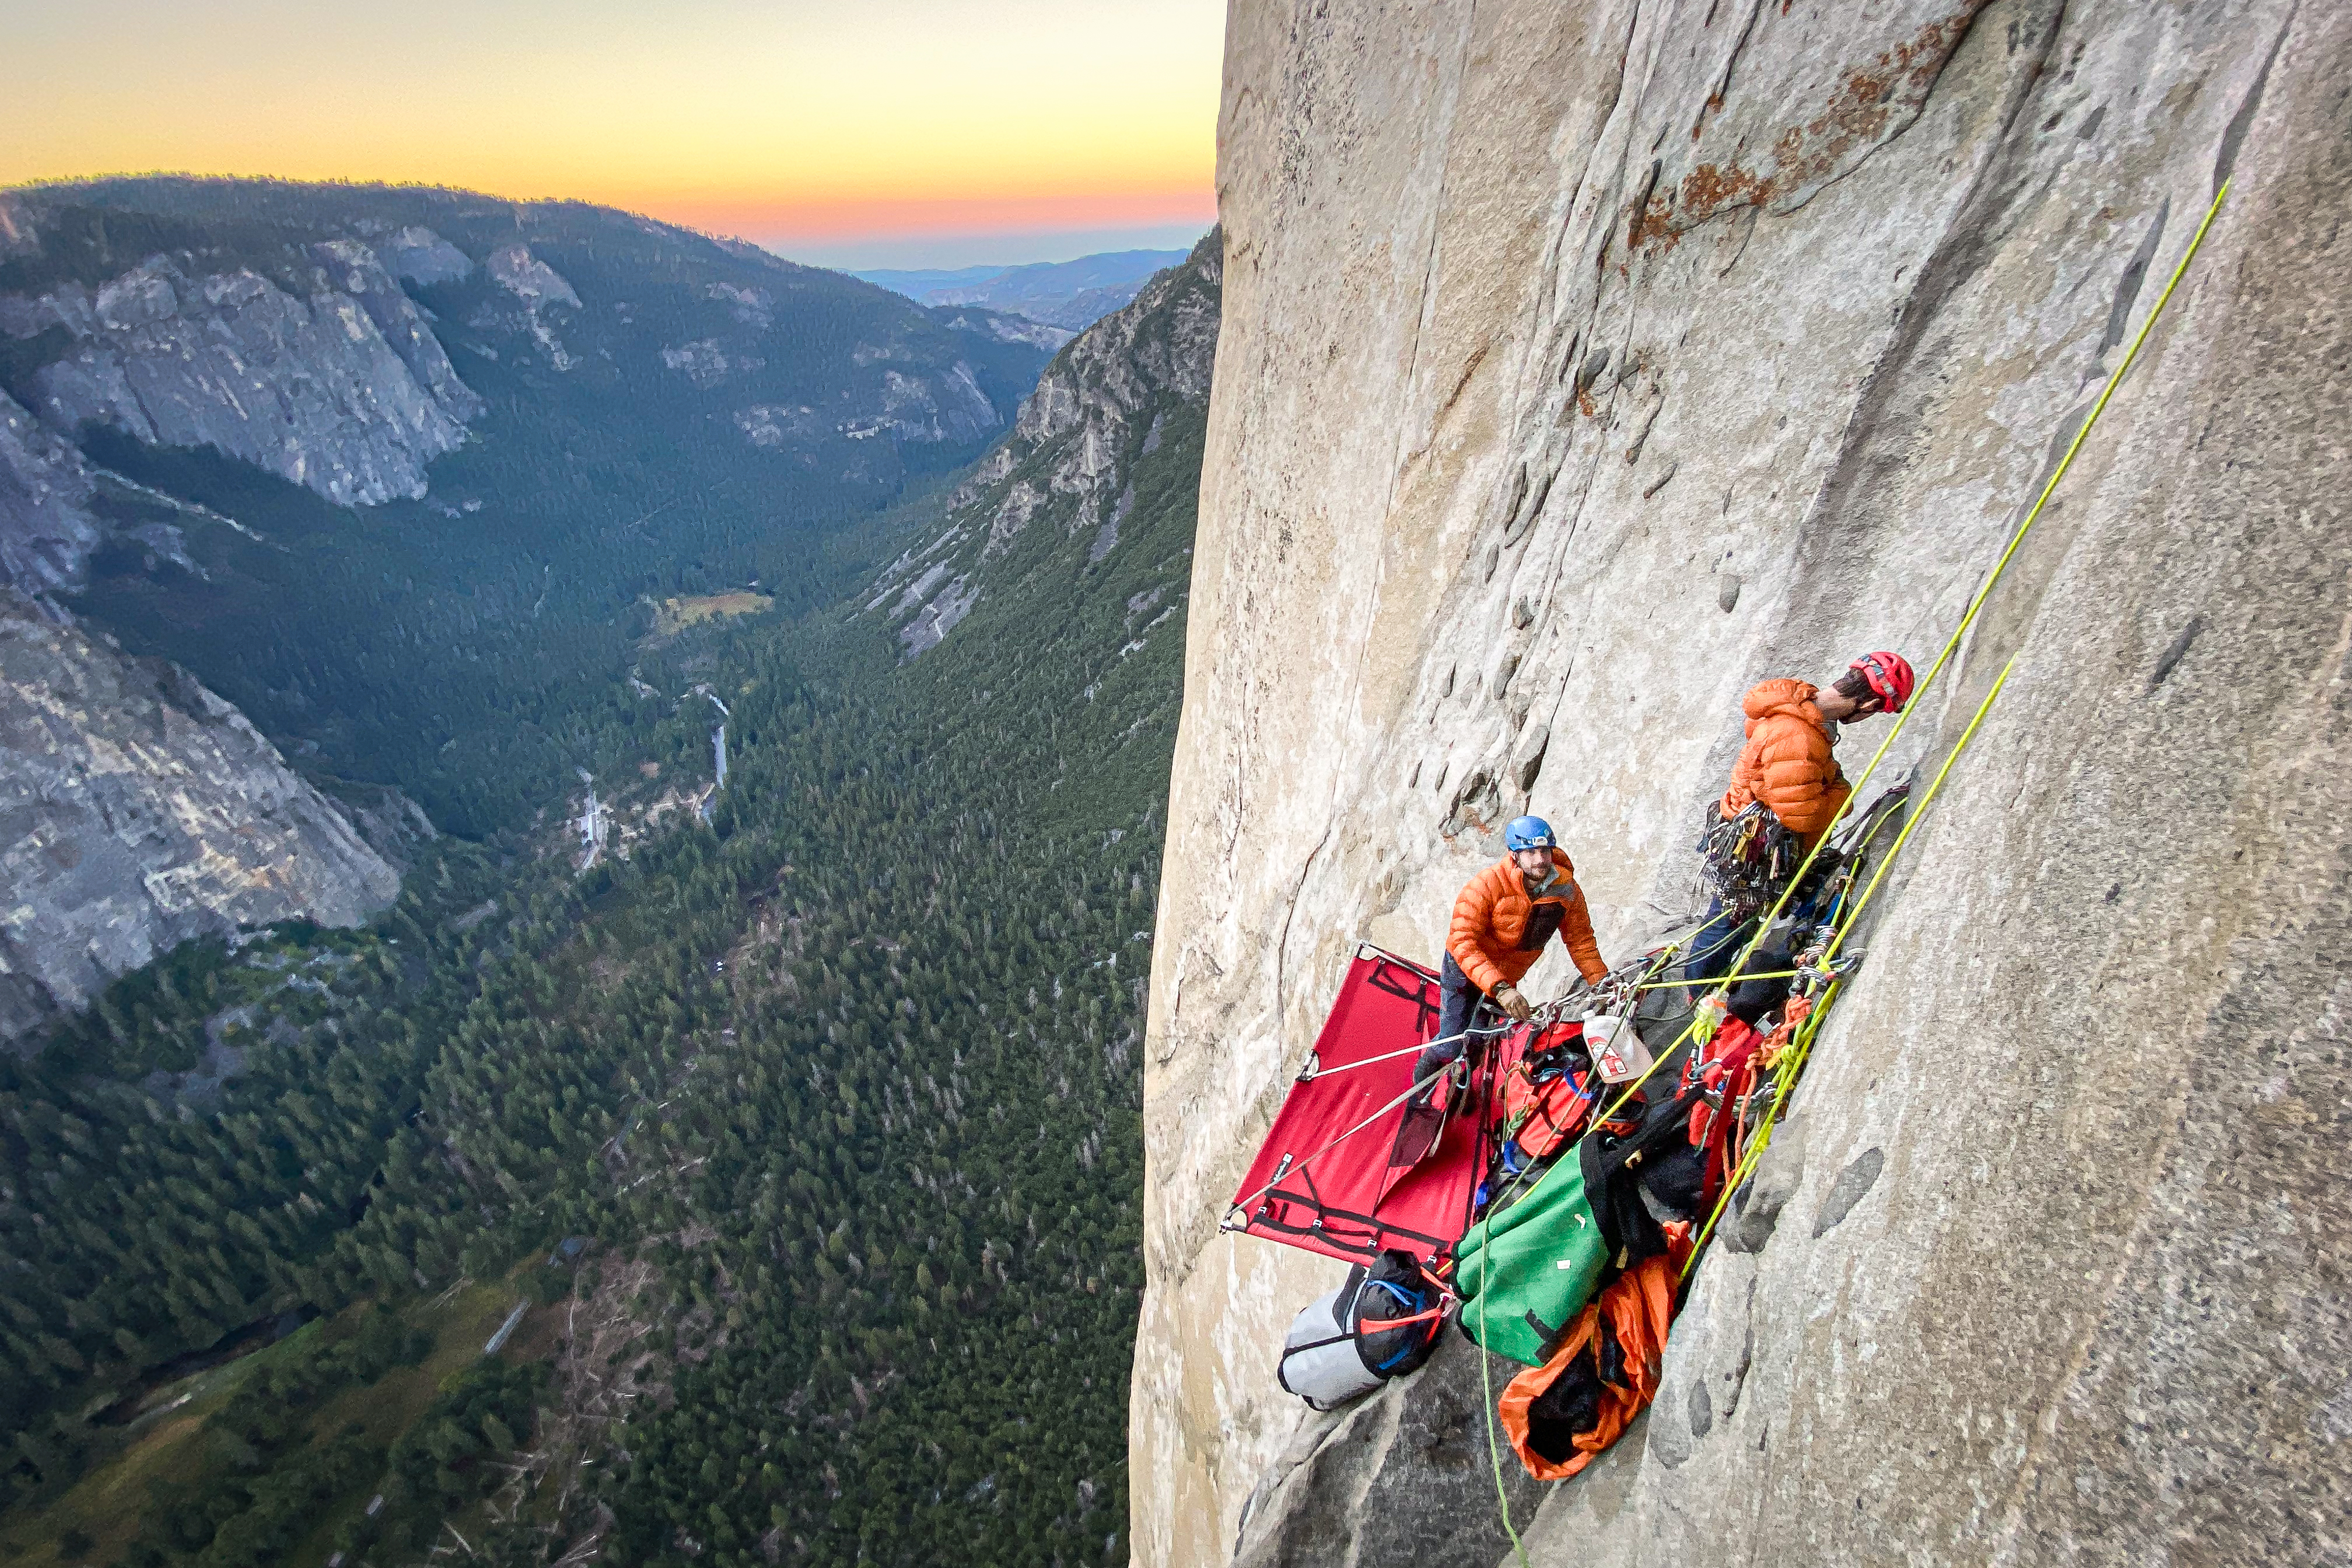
<point>1658,961</point>
<point>1793,1061</point>
<point>1976,604</point>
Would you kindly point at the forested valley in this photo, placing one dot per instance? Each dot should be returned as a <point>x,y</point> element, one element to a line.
<point>686,418</point>
<point>797,1148</point>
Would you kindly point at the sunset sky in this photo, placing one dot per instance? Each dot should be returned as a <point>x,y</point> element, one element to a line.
<point>886,133</point>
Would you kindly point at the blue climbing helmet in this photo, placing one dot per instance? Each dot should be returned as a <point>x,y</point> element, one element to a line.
<point>1528,833</point>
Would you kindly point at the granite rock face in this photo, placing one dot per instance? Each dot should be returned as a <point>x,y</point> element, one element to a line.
<point>1100,406</point>
<point>138,810</point>
<point>539,290</point>
<point>1324,1499</point>
<point>529,279</point>
<point>420,255</point>
<point>17,236</point>
<point>47,528</point>
<point>339,386</point>
<point>926,409</point>
<point>1583,365</point>
<point>1007,329</point>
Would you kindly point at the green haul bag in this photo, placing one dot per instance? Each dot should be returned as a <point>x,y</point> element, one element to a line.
<point>1544,1255</point>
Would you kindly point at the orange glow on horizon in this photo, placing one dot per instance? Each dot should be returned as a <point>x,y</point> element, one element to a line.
<point>767,121</point>
<point>943,214</point>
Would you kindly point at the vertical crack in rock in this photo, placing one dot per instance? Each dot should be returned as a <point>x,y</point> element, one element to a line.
<point>1529,766</point>
<point>1963,248</point>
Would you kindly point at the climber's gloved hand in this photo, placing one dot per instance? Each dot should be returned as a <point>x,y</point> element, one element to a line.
<point>1508,997</point>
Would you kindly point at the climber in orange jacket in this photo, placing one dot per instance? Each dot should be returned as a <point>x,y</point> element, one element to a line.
<point>1790,764</point>
<point>1503,919</point>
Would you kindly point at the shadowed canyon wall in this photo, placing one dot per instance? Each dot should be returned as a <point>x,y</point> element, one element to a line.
<point>139,810</point>
<point>1581,365</point>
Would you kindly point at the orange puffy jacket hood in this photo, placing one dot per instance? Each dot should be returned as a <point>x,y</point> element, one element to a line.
<point>1789,762</point>
<point>1497,933</point>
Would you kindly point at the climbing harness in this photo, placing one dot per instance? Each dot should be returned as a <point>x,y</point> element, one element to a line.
<point>1748,858</point>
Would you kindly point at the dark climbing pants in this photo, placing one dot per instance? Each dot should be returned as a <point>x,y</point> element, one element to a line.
<point>1717,946</point>
<point>1461,1007</point>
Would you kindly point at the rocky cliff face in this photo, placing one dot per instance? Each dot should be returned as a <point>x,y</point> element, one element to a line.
<point>47,527</point>
<point>138,810</point>
<point>1103,405</point>
<point>335,382</point>
<point>325,373</point>
<point>1581,365</point>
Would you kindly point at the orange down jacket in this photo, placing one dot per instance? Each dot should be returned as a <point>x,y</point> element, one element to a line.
<point>1498,931</point>
<point>1787,762</point>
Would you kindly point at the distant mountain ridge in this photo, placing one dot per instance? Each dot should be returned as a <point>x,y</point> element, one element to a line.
<point>1105,452</point>
<point>916,282</point>
<point>1072,294</point>
<point>140,305</point>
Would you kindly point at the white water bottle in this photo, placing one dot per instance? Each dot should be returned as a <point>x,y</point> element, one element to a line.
<point>1617,1051</point>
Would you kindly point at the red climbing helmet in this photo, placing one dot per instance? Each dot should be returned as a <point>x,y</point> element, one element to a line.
<point>1890,677</point>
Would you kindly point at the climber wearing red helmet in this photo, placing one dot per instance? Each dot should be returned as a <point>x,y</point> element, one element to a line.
<point>1787,762</point>
<point>1790,766</point>
<point>1888,676</point>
